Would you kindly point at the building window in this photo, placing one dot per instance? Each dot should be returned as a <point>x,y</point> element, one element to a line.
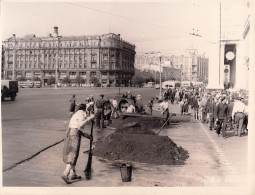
<point>94,58</point>
<point>93,74</point>
<point>93,65</point>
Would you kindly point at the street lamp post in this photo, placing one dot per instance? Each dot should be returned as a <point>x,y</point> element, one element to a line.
<point>160,86</point>
<point>56,69</point>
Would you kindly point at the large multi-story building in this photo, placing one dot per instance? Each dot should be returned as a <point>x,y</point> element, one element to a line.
<point>107,57</point>
<point>193,67</point>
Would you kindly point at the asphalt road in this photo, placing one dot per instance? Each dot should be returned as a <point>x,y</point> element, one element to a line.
<point>39,117</point>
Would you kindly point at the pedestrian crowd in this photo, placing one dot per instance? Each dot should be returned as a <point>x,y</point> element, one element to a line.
<point>222,110</point>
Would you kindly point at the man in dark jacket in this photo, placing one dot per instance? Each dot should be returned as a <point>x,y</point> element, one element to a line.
<point>181,95</point>
<point>214,115</point>
<point>209,111</point>
<point>195,107</point>
<point>222,112</point>
<point>100,112</point>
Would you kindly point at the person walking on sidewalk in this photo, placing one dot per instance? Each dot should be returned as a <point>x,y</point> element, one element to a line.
<point>72,142</point>
<point>209,111</point>
<point>238,116</point>
<point>222,111</point>
<point>195,107</point>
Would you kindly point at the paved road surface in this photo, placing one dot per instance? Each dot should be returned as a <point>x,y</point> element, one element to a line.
<point>39,118</point>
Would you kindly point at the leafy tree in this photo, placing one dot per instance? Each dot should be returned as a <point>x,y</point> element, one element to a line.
<point>138,80</point>
<point>66,80</point>
<point>51,80</point>
<point>22,78</point>
<point>94,80</point>
<point>36,79</point>
<point>79,80</point>
<point>178,84</point>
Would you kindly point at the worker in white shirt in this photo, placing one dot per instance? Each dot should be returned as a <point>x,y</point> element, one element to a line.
<point>72,142</point>
<point>238,115</point>
<point>130,109</point>
<point>114,104</point>
<point>165,110</point>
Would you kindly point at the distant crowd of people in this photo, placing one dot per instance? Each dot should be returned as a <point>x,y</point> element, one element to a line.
<point>221,109</point>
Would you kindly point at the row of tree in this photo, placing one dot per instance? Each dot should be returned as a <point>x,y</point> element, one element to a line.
<point>142,77</point>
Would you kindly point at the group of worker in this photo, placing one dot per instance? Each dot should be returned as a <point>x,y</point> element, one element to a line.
<point>103,109</point>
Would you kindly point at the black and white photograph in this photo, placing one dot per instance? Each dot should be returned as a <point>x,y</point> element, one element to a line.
<point>115,97</point>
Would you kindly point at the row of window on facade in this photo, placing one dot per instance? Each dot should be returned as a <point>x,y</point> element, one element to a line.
<point>111,53</point>
<point>65,58</point>
<point>51,65</point>
<point>64,44</point>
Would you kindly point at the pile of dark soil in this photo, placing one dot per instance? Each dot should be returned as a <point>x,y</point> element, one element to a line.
<point>137,144</point>
<point>146,123</point>
<point>134,128</point>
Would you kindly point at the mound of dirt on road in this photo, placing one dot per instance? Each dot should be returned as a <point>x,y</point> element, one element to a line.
<point>133,145</point>
<point>146,123</point>
<point>134,128</point>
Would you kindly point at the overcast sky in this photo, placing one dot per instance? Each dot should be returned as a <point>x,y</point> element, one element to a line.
<point>151,26</point>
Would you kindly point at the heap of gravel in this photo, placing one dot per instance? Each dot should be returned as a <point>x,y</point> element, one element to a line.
<point>133,143</point>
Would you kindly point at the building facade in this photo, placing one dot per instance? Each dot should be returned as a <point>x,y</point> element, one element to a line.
<point>106,57</point>
<point>191,65</point>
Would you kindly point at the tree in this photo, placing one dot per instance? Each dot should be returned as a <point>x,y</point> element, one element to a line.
<point>79,80</point>
<point>22,78</point>
<point>36,79</point>
<point>66,80</point>
<point>51,80</point>
<point>138,80</point>
<point>94,80</point>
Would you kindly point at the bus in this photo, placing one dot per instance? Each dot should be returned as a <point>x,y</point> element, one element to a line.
<point>37,84</point>
<point>185,83</point>
<point>150,84</point>
<point>23,84</point>
<point>168,84</point>
<point>30,84</point>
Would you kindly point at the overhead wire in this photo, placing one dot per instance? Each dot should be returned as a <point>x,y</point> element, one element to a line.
<point>185,34</point>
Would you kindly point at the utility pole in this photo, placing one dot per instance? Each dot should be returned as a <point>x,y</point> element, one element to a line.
<point>160,85</point>
<point>14,61</point>
<point>56,69</point>
<point>220,45</point>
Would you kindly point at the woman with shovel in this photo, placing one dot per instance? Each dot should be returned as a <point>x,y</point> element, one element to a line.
<point>72,142</point>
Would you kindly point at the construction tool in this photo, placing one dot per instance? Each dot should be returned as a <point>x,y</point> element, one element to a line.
<point>87,170</point>
<point>171,115</point>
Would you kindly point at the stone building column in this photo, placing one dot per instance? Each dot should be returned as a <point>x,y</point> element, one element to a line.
<point>108,78</point>
<point>88,77</point>
<point>98,74</point>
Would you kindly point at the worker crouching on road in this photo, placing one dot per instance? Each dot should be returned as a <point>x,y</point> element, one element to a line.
<point>100,112</point>
<point>72,142</point>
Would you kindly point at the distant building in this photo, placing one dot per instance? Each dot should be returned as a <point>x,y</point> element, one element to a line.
<point>2,63</point>
<point>107,57</point>
<point>192,66</point>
